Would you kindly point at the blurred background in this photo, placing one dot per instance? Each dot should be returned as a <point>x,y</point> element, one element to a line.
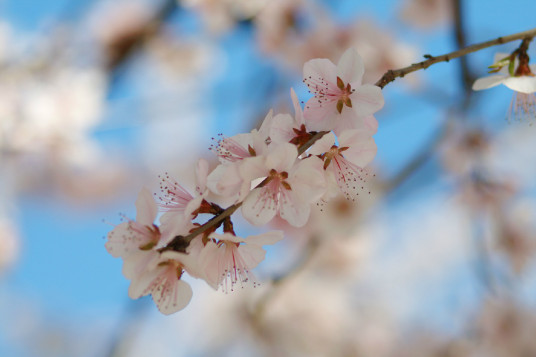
<point>98,97</point>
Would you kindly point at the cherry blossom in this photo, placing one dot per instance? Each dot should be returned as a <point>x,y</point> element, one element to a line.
<point>227,259</point>
<point>288,129</point>
<point>520,78</point>
<point>180,206</point>
<point>288,187</point>
<point>340,100</point>
<point>162,279</point>
<point>225,179</point>
<point>345,162</point>
<point>132,236</point>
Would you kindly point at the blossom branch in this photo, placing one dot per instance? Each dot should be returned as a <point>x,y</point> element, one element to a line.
<point>391,75</point>
<point>179,243</point>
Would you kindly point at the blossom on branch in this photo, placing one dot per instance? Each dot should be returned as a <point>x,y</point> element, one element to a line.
<point>288,189</point>
<point>340,99</point>
<point>517,75</point>
<point>345,162</point>
<point>227,259</point>
<point>150,271</point>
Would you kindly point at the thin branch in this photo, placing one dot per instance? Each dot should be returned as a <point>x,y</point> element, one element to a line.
<point>217,219</point>
<point>391,75</point>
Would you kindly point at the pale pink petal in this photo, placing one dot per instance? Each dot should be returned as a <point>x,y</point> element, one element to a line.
<point>371,123</point>
<point>522,84</point>
<point>323,144</point>
<point>251,255</point>
<point>260,206</point>
<point>308,180</point>
<point>121,241</point>
<point>145,208</point>
<point>489,81</point>
<point>318,113</point>
<point>252,168</point>
<point>227,237</point>
<point>172,224</point>
<point>209,264</point>
<point>189,261</point>
<point>282,158</point>
<point>225,180</point>
<point>143,284</point>
<point>173,295</point>
<point>349,176</point>
<point>201,173</point>
<point>281,131</point>
<point>298,113</point>
<point>193,206</point>
<point>135,264</point>
<point>319,73</point>
<point>361,147</point>
<point>271,237</point>
<point>293,210</point>
<point>266,125</point>
<point>367,99</point>
<point>350,67</point>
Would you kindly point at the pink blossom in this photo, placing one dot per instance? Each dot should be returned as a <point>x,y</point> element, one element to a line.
<point>285,128</point>
<point>225,179</point>
<point>289,186</point>
<point>180,206</point>
<point>227,259</point>
<point>241,146</point>
<point>162,279</point>
<point>132,236</point>
<point>340,99</point>
<point>346,161</point>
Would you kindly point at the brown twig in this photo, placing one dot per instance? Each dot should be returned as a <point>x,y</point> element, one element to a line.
<point>391,75</point>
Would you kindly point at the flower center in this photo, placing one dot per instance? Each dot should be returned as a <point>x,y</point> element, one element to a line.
<point>344,96</point>
<point>279,177</point>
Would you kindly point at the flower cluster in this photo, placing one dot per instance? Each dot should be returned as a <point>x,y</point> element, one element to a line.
<point>281,169</point>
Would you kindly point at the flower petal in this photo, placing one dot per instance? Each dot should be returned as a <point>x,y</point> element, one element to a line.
<point>318,73</point>
<point>201,173</point>
<point>260,206</point>
<point>323,144</point>
<point>298,112</point>
<point>523,84</point>
<point>145,208</point>
<point>489,81</point>
<point>173,296</point>
<point>265,238</point>
<point>318,114</point>
<point>293,210</point>
<point>367,99</point>
<point>282,158</point>
<point>361,147</point>
<point>350,67</point>
<point>281,131</point>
